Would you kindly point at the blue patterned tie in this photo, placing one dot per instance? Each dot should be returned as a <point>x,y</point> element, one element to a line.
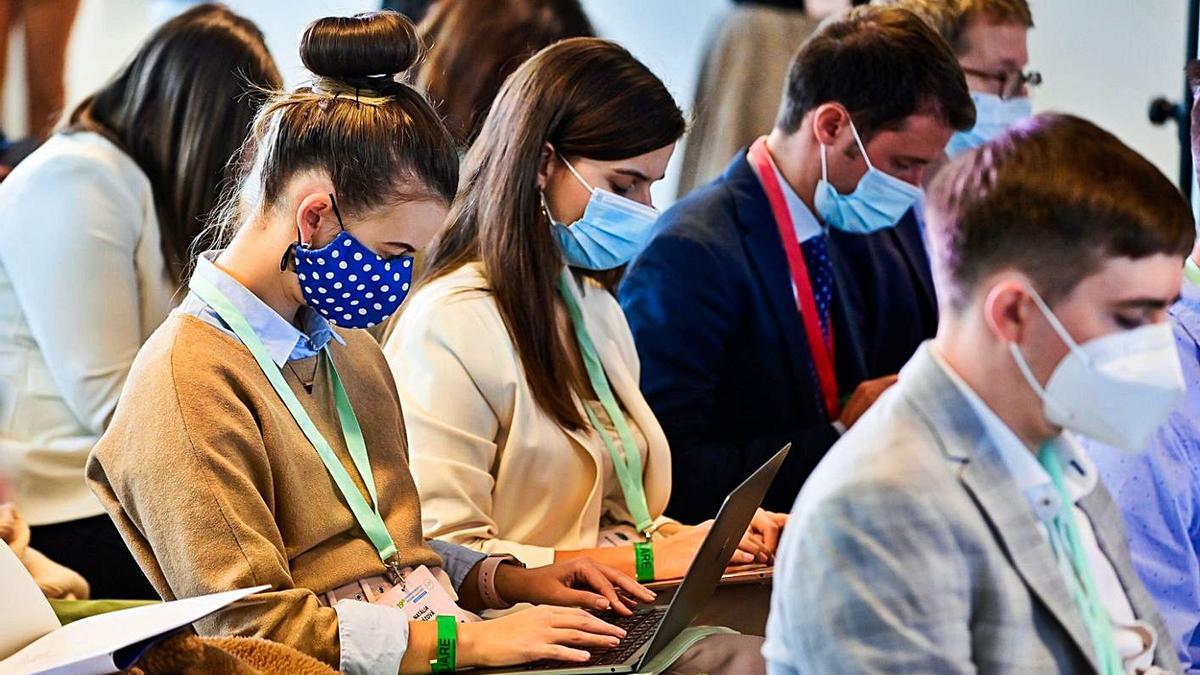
<point>820,275</point>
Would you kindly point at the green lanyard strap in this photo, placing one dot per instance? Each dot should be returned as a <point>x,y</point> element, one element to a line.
<point>367,515</point>
<point>628,464</point>
<point>1064,538</point>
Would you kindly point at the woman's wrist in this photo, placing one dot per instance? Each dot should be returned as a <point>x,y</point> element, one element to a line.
<point>467,644</point>
<point>509,582</point>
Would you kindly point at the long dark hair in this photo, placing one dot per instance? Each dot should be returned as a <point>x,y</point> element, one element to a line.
<point>588,98</point>
<point>474,45</point>
<point>181,108</point>
<point>378,140</point>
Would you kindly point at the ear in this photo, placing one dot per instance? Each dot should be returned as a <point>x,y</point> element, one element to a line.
<point>546,165</point>
<point>314,216</point>
<point>830,122</point>
<point>1006,308</point>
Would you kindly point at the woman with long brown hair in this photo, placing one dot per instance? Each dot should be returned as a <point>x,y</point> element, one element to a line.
<point>260,440</point>
<point>93,245</point>
<point>516,370</point>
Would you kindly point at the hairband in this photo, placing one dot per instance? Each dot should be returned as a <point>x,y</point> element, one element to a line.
<point>335,89</point>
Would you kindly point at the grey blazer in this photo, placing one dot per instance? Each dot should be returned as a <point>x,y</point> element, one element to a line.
<point>911,550</point>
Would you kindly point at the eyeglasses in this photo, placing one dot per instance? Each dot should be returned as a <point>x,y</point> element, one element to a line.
<point>1011,81</point>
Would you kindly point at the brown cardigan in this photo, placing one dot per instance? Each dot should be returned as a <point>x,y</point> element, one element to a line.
<point>214,486</point>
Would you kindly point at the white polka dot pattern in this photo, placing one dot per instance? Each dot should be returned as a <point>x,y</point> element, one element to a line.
<point>347,264</point>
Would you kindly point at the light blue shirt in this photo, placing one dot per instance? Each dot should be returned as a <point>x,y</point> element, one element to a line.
<point>373,638</point>
<point>284,341</point>
<point>1159,494</point>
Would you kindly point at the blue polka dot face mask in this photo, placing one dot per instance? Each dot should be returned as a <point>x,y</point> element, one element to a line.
<point>349,284</point>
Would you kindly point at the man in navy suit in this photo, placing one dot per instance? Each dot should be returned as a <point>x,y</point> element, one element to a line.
<point>756,306</point>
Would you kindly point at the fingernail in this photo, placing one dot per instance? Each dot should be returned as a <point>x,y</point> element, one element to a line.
<point>602,603</point>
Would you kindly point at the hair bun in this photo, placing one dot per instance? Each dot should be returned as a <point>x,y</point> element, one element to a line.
<point>364,45</point>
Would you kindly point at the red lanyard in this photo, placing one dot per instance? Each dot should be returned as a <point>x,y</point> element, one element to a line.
<point>819,345</point>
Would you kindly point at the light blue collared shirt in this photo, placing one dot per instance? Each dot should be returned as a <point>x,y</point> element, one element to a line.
<point>284,341</point>
<point>1159,494</point>
<point>373,638</point>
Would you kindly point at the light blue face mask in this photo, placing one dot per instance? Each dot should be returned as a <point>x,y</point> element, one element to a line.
<point>878,201</point>
<point>612,230</point>
<point>993,115</point>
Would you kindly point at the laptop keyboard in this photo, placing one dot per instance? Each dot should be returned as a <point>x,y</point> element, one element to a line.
<point>639,629</point>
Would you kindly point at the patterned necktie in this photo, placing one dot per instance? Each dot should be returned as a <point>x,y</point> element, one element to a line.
<point>820,275</point>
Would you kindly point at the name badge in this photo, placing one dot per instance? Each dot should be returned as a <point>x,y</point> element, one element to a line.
<point>424,598</point>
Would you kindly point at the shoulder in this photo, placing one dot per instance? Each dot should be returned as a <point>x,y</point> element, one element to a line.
<point>456,307</point>
<point>71,168</point>
<point>706,215</point>
<point>80,156</point>
<point>888,459</point>
<point>463,287</point>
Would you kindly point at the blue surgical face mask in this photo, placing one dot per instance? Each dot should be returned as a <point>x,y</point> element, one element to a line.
<point>612,230</point>
<point>349,284</point>
<point>993,116</point>
<point>878,201</point>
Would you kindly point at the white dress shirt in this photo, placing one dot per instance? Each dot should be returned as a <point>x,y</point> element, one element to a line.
<point>1135,639</point>
<point>83,283</point>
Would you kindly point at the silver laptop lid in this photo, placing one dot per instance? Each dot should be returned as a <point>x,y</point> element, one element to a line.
<point>714,555</point>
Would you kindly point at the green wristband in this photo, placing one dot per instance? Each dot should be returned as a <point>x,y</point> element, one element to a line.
<point>447,642</point>
<point>643,558</point>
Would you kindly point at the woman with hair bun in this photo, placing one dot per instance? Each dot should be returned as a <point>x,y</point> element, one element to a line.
<point>260,439</point>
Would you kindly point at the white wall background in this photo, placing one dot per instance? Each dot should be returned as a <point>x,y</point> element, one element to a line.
<point>1102,59</point>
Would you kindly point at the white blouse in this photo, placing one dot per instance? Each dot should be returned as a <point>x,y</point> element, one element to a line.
<point>83,283</point>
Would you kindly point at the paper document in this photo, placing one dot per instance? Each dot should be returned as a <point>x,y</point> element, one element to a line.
<point>104,643</point>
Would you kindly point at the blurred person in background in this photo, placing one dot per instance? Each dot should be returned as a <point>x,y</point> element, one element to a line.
<point>93,249</point>
<point>990,40</point>
<point>741,73</point>
<point>474,45</point>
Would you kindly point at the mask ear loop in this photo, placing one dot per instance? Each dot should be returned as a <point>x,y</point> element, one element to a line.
<point>861,148</point>
<point>575,173</point>
<point>824,165</point>
<point>1060,329</point>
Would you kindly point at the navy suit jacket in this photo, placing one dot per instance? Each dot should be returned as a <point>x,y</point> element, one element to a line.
<point>887,279</point>
<point>725,360</point>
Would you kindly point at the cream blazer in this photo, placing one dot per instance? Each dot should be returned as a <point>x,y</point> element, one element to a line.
<point>494,471</point>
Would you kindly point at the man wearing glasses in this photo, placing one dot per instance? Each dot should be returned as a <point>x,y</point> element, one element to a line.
<point>989,39</point>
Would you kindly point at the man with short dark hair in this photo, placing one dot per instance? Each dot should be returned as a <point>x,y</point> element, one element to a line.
<point>989,39</point>
<point>1158,489</point>
<point>957,528</point>
<point>751,334</point>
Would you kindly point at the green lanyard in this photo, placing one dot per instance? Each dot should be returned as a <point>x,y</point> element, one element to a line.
<point>368,515</point>
<point>1064,538</point>
<point>1191,272</point>
<point>628,464</point>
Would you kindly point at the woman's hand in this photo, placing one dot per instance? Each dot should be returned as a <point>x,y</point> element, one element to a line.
<point>545,632</point>
<point>578,582</point>
<point>673,555</point>
<point>14,531</point>
<point>762,539</point>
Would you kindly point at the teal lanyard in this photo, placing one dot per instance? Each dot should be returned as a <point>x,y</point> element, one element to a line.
<point>1064,538</point>
<point>628,464</point>
<point>368,515</point>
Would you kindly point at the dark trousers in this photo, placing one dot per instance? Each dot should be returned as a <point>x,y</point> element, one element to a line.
<point>94,548</point>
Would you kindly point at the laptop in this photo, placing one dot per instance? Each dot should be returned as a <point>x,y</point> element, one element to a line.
<point>652,628</point>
